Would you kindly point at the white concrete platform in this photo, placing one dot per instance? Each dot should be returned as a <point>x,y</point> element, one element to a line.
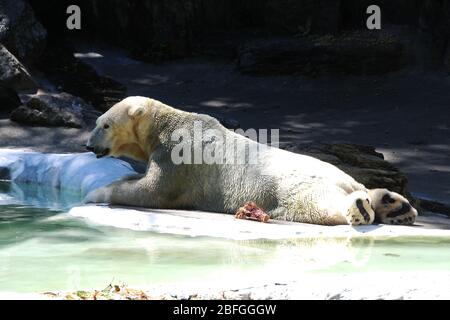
<point>197,223</point>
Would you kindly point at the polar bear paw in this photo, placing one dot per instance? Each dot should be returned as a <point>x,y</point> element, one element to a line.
<point>392,208</point>
<point>360,210</point>
<point>100,195</point>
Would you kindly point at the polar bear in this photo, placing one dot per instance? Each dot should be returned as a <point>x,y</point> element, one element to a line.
<point>287,185</point>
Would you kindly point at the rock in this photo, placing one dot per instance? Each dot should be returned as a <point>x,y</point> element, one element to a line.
<point>359,52</point>
<point>20,31</point>
<point>435,206</point>
<point>9,99</point>
<point>54,110</point>
<point>361,162</point>
<point>74,76</point>
<point>12,73</point>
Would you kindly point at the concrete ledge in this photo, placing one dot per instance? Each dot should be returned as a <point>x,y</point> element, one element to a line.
<point>198,223</point>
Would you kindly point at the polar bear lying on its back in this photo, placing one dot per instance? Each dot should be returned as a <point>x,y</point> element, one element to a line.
<point>288,186</point>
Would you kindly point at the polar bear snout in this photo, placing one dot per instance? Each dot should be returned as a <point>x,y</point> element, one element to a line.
<point>99,151</point>
<point>102,153</point>
<point>99,142</point>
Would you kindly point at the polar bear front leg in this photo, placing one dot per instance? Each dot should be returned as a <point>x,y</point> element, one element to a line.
<point>100,195</point>
<point>131,191</point>
<point>358,208</point>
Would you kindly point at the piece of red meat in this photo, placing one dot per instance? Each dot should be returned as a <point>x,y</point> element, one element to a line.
<point>251,211</point>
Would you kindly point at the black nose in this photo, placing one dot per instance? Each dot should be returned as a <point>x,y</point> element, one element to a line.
<point>89,148</point>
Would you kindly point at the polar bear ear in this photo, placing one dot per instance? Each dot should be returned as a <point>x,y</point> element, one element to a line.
<point>136,111</point>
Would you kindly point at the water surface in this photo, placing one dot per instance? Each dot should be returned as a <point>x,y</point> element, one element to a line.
<point>42,248</point>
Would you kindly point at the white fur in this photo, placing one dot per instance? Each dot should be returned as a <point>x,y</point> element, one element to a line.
<point>289,186</point>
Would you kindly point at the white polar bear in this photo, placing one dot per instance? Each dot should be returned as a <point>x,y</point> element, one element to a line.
<point>288,186</point>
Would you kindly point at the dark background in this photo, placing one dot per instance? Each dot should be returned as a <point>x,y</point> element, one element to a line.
<point>158,30</point>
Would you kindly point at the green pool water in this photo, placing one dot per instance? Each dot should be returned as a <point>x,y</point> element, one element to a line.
<point>43,249</point>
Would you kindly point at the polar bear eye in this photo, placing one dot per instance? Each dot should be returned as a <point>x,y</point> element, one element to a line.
<point>106,126</point>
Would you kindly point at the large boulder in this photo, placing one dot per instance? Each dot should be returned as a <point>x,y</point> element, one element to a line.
<point>20,31</point>
<point>359,52</point>
<point>74,76</point>
<point>9,99</point>
<point>361,162</point>
<point>53,110</point>
<point>13,73</point>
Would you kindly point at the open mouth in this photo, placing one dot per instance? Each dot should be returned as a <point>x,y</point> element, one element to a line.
<point>104,153</point>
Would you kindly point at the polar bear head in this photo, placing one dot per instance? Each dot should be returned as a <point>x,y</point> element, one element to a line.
<point>122,130</point>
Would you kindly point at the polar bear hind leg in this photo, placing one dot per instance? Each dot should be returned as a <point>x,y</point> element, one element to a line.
<point>333,206</point>
<point>391,207</point>
<point>328,206</point>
